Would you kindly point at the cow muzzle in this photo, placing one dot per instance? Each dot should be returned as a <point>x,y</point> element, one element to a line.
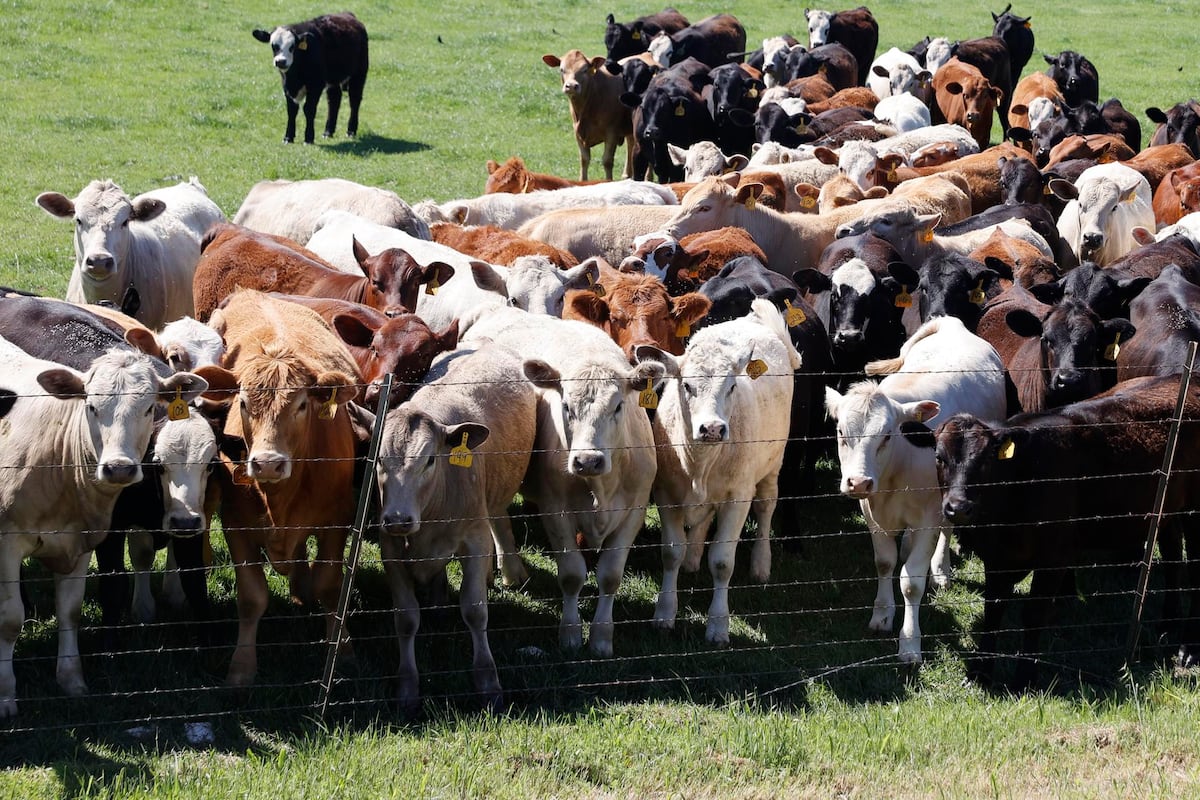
<point>712,431</point>
<point>119,472</point>
<point>400,523</point>
<point>269,467</point>
<point>849,340</point>
<point>858,487</point>
<point>185,525</point>
<point>958,509</point>
<point>282,64</point>
<point>99,267</point>
<point>589,463</point>
<point>1091,243</point>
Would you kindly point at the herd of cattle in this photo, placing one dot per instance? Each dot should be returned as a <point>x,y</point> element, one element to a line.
<point>1028,304</point>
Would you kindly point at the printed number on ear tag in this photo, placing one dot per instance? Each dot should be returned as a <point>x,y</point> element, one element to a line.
<point>177,409</point>
<point>1008,449</point>
<point>329,409</point>
<point>904,299</point>
<point>751,201</point>
<point>432,286</point>
<point>647,398</point>
<point>793,316</point>
<point>756,369</point>
<point>460,454</point>
<point>637,36</point>
<point>1113,350</point>
<point>808,201</point>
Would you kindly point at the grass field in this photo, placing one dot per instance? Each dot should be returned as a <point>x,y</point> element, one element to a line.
<point>803,704</point>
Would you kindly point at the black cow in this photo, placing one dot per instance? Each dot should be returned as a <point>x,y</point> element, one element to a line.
<point>990,56</point>
<point>833,60</point>
<point>324,54</point>
<point>1017,35</point>
<point>1167,317</point>
<point>623,39</point>
<point>1048,492</point>
<point>855,29</point>
<point>672,111</point>
<point>1076,77</point>
<point>716,40</point>
<point>1179,123</point>
<point>732,102</point>
<point>1022,182</point>
<point>1079,120</point>
<point>950,284</point>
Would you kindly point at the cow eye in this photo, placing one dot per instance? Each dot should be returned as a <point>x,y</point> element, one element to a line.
<point>689,390</point>
<point>303,405</point>
<point>620,405</point>
<point>78,223</point>
<point>884,441</point>
<point>149,410</point>
<point>92,409</point>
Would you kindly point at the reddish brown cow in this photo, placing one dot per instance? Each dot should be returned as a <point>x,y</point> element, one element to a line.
<point>636,310</point>
<point>853,97</point>
<point>1029,265</point>
<point>685,265</point>
<point>966,98</point>
<point>1156,161</point>
<point>293,378</point>
<point>513,177</point>
<point>934,155</point>
<point>497,245</point>
<point>402,345</point>
<point>1178,194</point>
<point>981,171</point>
<point>1102,147</point>
<point>235,257</point>
<point>1035,84</point>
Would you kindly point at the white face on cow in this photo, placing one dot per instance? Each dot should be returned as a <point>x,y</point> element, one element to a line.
<point>186,450</point>
<point>407,469</point>
<point>859,162</point>
<point>661,47</point>
<point>707,206</point>
<point>818,27</point>
<point>937,54</point>
<point>1098,201</point>
<point>536,285</point>
<point>709,378</point>
<point>653,253</point>
<point>283,48</point>
<point>868,429</point>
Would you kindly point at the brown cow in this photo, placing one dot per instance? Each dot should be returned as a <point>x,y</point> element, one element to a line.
<point>1029,265</point>
<point>597,114</point>
<point>1177,195</point>
<point>514,177</point>
<point>497,245</point>
<point>293,377</point>
<point>1036,84</point>
<point>853,97</point>
<point>966,98</point>
<point>235,257</point>
<point>684,265</point>
<point>1103,147</point>
<point>403,345</point>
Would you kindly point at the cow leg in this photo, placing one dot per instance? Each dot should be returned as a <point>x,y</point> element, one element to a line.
<point>697,535</point>
<point>1189,634</point>
<point>12,616</point>
<point>328,575</point>
<point>997,596</point>
<point>189,553</point>
<point>114,585</point>
<point>173,593</point>
<point>766,495</point>
<point>407,619</point>
<point>68,601</point>
<point>333,97</point>
<point>609,569</point>
<point>251,603</point>
<point>311,99</point>
<point>585,158</point>
<point>289,135</point>
<point>355,90</point>
<point>508,558</point>
<point>1047,586</point>
<point>666,607</point>
<point>885,546</point>
<point>141,557</point>
<point>472,597</point>
<point>913,575</point>
<point>629,147</point>
<point>940,568</point>
<point>572,572</point>
<point>610,152</point>
<point>721,553</point>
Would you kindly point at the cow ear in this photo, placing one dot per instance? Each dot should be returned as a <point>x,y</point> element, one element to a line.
<point>542,375</point>
<point>56,205</point>
<point>360,254</point>
<point>631,99</point>
<point>458,213</point>
<point>678,154</point>
<point>650,371</point>
<point>833,401</point>
<point>737,162</point>
<point>63,383</point>
<point>1130,195</point>
<point>1142,235</point>
<point>1019,109</point>
<point>997,268</point>
<point>808,195</point>
<point>1111,327</point>
<point>472,434</point>
<point>876,193</point>
<point>731,179</point>
<point>1049,58</point>
<point>187,385</point>
<point>352,330</point>
<point>904,274</point>
<point>1132,287</point>
<point>826,156</point>
<point>1023,323</point>
<point>611,20</point>
<point>997,93</point>
<point>437,273</point>
<point>690,308</point>
<point>1018,134</point>
<point>551,60</point>
<point>489,278</point>
<point>879,71</point>
<point>747,191</point>
<point>222,384</point>
<point>143,340</point>
<point>147,208</point>
<point>587,307</point>
<point>583,276</point>
<point>492,166</point>
<point>8,399</point>
<point>918,435</point>
<point>597,62</point>
<point>645,353</point>
<point>812,280</point>
<point>1063,189</point>
<point>1157,115</point>
<point>334,386</point>
<point>922,411</point>
<point>261,35</point>
<point>1048,293</point>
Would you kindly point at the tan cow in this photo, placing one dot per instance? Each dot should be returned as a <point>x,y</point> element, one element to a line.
<point>597,114</point>
<point>965,97</point>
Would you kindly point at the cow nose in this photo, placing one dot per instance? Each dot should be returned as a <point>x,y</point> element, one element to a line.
<point>713,431</point>
<point>269,467</point>
<point>858,486</point>
<point>1093,240</point>
<point>588,462</point>
<point>633,264</point>
<point>399,523</point>
<point>281,63</point>
<point>958,509</point>
<point>185,524</point>
<point>395,311</point>
<point>972,116</point>
<point>99,264</point>
<point>120,472</point>
<point>848,340</point>
<point>570,88</point>
<point>1066,378</point>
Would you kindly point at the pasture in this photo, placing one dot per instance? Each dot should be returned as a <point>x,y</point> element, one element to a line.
<point>804,703</point>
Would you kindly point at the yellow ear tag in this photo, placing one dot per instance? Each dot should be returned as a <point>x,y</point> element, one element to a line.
<point>1046,190</point>
<point>683,329</point>
<point>892,177</point>
<point>919,415</point>
<point>927,236</point>
<point>800,129</point>
<point>793,316</point>
<point>594,286</point>
<point>460,454</point>
<point>751,201</point>
<point>432,286</point>
<point>1027,24</point>
<point>977,296</point>
<point>177,409</point>
<point>752,93</point>
<point>756,369</point>
<point>637,36</point>
<point>808,201</point>
<point>647,398</point>
<point>241,476</point>
<point>1113,350</point>
<point>679,112</point>
<point>303,45</point>
<point>1008,449</point>
<point>329,408</point>
<point>904,299</point>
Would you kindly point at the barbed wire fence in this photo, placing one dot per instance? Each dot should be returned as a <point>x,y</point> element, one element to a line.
<point>807,625</point>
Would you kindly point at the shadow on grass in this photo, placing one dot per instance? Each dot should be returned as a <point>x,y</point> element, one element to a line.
<point>370,144</point>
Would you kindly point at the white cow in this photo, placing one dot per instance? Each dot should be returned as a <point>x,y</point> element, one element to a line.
<point>896,72</point>
<point>942,370</point>
<point>292,208</point>
<point>150,243</point>
<point>1104,206</point>
<point>435,507</point>
<point>703,159</point>
<point>187,343</point>
<point>720,431</point>
<point>904,112</point>
<point>511,211</point>
<point>593,463</point>
<point>69,445</point>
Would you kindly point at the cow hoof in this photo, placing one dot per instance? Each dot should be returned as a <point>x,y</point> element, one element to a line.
<point>493,702</point>
<point>880,624</point>
<point>717,634</point>
<point>664,625</point>
<point>600,649</point>
<point>8,708</point>
<point>327,135</point>
<point>288,140</point>
<point>910,657</point>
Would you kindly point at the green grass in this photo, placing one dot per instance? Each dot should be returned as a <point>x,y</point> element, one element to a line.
<point>802,704</point>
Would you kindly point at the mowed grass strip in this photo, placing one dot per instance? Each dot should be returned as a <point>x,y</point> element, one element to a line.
<point>148,95</point>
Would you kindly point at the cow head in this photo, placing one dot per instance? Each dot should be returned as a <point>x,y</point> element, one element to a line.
<point>969,456</point>
<point>186,452</point>
<point>1099,202</point>
<point>120,392</point>
<point>637,310</point>
<point>1180,123</point>
<point>953,285</point>
<point>868,432</point>
<point>621,40</point>
<point>403,346</point>
<point>103,214</point>
<point>858,298</point>
<point>534,283</point>
<point>413,456</point>
<point>714,202</point>
<point>394,277</point>
<point>285,44</point>
<point>1106,293</point>
<point>576,70</point>
<point>818,26</point>
<point>1076,77</point>
<point>591,403</point>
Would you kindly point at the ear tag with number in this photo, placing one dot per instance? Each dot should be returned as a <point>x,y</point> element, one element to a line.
<point>460,454</point>
<point>752,93</point>
<point>756,369</point>
<point>808,201</point>
<point>1113,350</point>
<point>303,45</point>
<point>241,474</point>
<point>679,112</point>
<point>594,286</point>
<point>432,286</point>
<point>977,296</point>
<point>751,201</point>
<point>927,236</point>
<point>647,398</point>
<point>329,408</point>
<point>904,299</point>
<point>1008,449</point>
<point>919,415</point>
<point>892,177</point>
<point>637,36</point>
<point>683,329</point>
<point>793,316</point>
<point>177,409</point>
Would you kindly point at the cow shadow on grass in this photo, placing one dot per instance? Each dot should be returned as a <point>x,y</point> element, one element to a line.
<point>370,144</point>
